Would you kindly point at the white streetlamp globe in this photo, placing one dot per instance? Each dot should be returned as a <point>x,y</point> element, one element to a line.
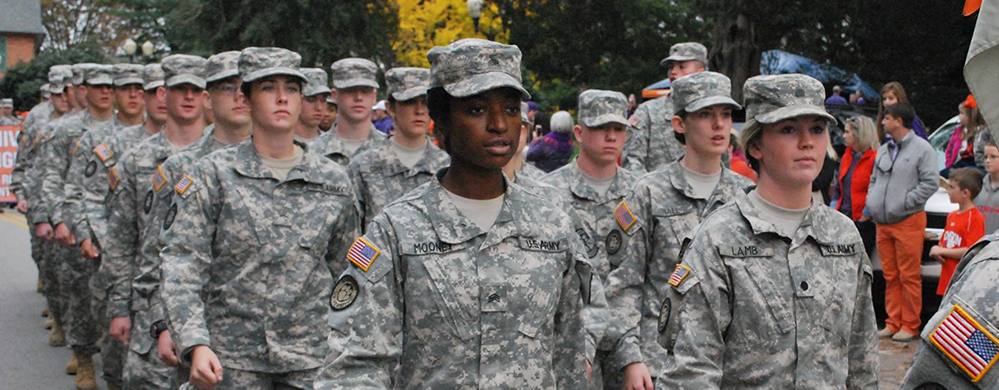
<point>129,46</point>
<point>474,8</point>
<point>147,48</point>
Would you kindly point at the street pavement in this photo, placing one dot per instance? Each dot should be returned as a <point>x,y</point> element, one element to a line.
<point>28,362</point>
<point>26,359</point>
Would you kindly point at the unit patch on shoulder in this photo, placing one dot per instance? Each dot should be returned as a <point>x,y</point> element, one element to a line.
<point>624,216</point>
<point>634,120</point>
<point>184,184</point>
<point>112,178</point>
<point>362,253</point>
<point>344,293</point>
<point>613,241</point>
<point>679,275</point>
<point>159,179</point>
<point>147,204</point>
<point>966,343</point>
<point>664,313</point>
<point>103,152</point>
<point>170,216</point>
<point>75,148</point>
<point>91,169</point>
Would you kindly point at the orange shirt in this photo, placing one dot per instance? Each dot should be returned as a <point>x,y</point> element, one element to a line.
<point>963,230</point>
<point>740,166</point>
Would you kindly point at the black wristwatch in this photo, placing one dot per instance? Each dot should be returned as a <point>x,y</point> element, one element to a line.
<point>157,328</point>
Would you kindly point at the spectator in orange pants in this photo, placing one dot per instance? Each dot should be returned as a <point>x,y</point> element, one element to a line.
<point>905,176</point>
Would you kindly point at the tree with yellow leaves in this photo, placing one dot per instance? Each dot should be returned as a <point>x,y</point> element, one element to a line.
<point>424,24</point>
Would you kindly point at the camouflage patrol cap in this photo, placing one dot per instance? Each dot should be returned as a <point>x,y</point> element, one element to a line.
<point>407,83</point>
<point>125,74</point>
<point>7,103</point>
<point>259,62</point>
<point>773,98</point>
<point>318,82</point>
<point>598,108</point>
<point>354,72</point>
<point>471,66</point>
<point>184,69</point>
<point>80,72</point>
<point>100,75</point>
<point>703,89</point>
<point>59,77</point>
<point>152,76</point>
<point>45,88</point>
<point>686,51</point>
<point>222,65</point>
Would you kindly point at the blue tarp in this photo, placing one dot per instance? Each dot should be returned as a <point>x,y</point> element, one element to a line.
<point>782,62</point>
<point>661,84</point>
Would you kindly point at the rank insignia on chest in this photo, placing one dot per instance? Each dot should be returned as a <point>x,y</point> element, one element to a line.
<point>362,253</point>
<point>159,179</point>
<point>103,152</point>
<point>624,216</point>
<point>184,184</point>
<point>679,275</point>
<point>112,178</point>
<point>966,343</point>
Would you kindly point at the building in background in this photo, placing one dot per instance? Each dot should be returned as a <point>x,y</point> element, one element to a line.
<point>21,32</point>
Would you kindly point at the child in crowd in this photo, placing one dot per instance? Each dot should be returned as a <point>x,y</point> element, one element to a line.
<point>987,200</point>
<point>964,226</point>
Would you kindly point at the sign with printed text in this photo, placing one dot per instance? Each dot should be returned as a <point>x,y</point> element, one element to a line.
<point>8,155</point>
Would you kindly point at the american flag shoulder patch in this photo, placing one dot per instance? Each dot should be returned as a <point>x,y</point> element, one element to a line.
<point>966,343</point>
<point>679,275</point>
<point>103,152</point>
<point>624,216</point>
<point>362,253</point>
<point>159,179</point>
<point>113,178</point>
<point>634,120</point>
<point>183,184</point>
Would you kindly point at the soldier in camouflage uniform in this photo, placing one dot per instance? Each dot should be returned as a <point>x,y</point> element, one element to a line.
<point>261,227</point>
<point>773,291</point>
<point>314,105</point>
<point>56,189</point>
<point>156,112</point>
<point>390,169</point>
<point>42,112</point>
<point>355,90</point>
<point>6,112</point>
<point>594,185</point>
<point>26,187</point>
<point>960,347</point>
<point>469,281</point>
<point>662,210</point>
<point>232,126</point>
<point>135,181</point>
<point>86,190</point>
<point>651,144</point>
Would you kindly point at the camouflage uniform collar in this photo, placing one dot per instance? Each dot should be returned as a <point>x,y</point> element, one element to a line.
<point>679,181</point>
<point>248,164</point>
<point>816,224</point>
<point>579,187</point>
<point>393,166</point>
<point>453,228</point>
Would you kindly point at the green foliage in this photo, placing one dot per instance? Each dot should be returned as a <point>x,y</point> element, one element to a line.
<point>24,79</point>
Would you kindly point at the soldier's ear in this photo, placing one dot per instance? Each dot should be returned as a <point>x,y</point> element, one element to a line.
<point>161,93</point>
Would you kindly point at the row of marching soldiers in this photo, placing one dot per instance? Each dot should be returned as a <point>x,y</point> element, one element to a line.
<point>256,254</point>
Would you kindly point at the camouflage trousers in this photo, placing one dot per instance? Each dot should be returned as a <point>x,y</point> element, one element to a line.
<point>233,379</point>
<point>84,334</point>
<point>143,367</point>
<point>46,256</point>
<point>113,352</point>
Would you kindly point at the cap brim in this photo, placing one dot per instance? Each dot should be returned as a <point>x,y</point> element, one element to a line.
<point>57,88</point>
<point>408,94</point>
<point>152,85</point>
<point>711,101</point>
<point>133,80</point>
<point>793,112</point>
<point>350,83</point>
<point>185,79</point>
<point>317,91</point>
<point>677,58</point>
<point>605,119</point>
<point>101,80</point>
<point>279,71</point>
<point>485,82</point>
<point>222,75</point>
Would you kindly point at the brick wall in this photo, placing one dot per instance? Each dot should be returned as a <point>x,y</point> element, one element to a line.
<point>20,48</point>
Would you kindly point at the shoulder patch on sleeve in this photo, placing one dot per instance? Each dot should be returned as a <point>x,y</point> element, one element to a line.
<point>679,275</point>
<point>184,184</point>
<point>344,293</point>
<point>159,179</point>
<point>624,216</point>
<point>362,253</point>
<point>103,152</point>
<point>966,343</point>
<point>634,120</point>
<point>113,178</point>
<point>75,148</point>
